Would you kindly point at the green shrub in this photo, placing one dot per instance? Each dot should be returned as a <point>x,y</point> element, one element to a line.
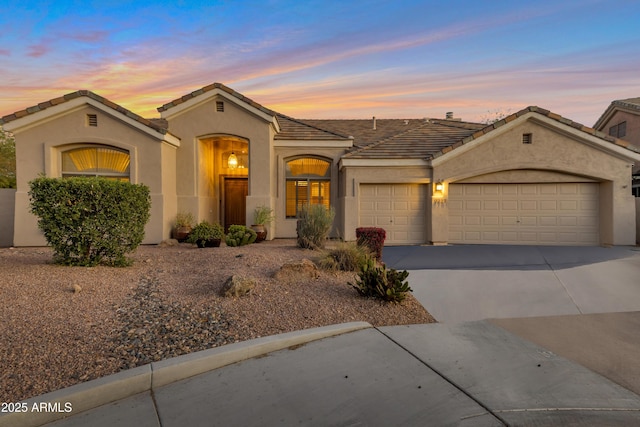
<point>372,238</point>
<point>7,160</point>
<point>263,215</point>
<point>376,281</point>
<point>239,235</point>
<point>205,232</point>
<point>313,227</point>
<point>88,221</point>
<point>347,256</point>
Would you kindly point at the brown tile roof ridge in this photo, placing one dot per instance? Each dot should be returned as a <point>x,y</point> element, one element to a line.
<point>211,87</point>
<point>362,129</point>
<point>416,142</point>
<point>77,94</point>
<point>284,134</point>
<point>551,115</point>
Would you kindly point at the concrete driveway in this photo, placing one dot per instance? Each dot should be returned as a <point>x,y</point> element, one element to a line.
<point>472,282</point>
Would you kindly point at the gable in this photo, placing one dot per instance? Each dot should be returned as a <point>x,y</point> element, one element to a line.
<point>550,146</point>
<point>212,93</point>
<point>70,104</point>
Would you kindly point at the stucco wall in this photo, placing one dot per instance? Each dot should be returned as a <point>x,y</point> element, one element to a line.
<point>633,125</point>
<point>286,227</point>
<point>551,152</point>
<point>7,205</point>
<point>38,151</point>
<point>199,163</point>
<point>353,176</point>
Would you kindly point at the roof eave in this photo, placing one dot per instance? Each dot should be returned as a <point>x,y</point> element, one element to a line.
<point>52,112</point>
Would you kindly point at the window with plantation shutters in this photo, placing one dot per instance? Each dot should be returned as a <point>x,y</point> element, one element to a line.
<point>104,161</point>
<point>308,181</point>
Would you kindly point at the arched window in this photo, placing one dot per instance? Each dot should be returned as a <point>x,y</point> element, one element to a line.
<point>308,182</point>
<point>99,160</point>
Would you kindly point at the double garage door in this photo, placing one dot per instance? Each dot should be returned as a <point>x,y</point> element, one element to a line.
<point>527,214</point>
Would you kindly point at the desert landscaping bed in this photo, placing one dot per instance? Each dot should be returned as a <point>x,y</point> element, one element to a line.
<point>167,304</point>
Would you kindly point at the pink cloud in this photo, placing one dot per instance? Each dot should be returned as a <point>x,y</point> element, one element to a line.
<point>37,50</point>
<point>5,52</point>
<point>86,36</point>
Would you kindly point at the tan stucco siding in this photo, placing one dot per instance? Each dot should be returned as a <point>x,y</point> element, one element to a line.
<point>200,163</point>
<point>39,147</point>
<point>286,227</point>
<point>633,125</point>
<point>552,152</point>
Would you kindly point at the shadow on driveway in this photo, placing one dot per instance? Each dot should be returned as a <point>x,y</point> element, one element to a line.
<point>499,257</point>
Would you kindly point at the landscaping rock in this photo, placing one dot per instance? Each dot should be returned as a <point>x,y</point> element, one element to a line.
<point>76,289</point>
<point>168,243</point>
<point>236,286</point>
<point>297,271</point>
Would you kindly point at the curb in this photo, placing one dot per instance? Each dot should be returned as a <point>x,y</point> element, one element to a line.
<point>92,394</point>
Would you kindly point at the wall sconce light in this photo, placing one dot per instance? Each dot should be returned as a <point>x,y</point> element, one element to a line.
<point>439,187</point>
<point>232,161</point>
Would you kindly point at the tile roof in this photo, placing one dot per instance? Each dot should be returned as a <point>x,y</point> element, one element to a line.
<point>73,95</point>
<point>433,138</point>
<point>362,130</point>
<point>209,88</point>
<point>421,141</point>
<point>293,129</point>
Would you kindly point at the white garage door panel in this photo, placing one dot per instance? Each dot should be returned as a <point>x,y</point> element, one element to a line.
<point>397,208</point>
<point>549,214</point>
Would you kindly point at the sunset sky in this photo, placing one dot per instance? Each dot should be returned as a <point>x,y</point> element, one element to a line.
<point>328,59</point>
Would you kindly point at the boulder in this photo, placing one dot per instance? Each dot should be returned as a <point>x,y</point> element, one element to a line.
<point>297,271</point>
<point>237,286</point>
<point>168,243</point>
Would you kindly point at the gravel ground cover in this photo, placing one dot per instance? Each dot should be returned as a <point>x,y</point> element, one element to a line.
<point>167,304</point>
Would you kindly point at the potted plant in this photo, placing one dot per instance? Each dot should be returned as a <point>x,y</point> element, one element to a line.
<point>206,234</point>
<point>182,228</point>
<point>262,216</point>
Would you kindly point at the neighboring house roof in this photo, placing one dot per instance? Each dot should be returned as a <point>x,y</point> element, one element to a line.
<point>77,94</point>
<point>631,105</point>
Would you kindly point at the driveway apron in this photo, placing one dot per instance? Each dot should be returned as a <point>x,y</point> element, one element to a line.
<point>472,282</point>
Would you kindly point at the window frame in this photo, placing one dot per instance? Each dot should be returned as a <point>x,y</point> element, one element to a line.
<point>120,176</point>
<point>323,184</point>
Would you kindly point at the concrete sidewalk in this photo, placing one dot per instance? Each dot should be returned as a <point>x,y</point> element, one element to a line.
<point>475,374</point>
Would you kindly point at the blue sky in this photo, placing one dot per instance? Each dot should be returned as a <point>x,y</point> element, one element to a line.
<point>326,59</point>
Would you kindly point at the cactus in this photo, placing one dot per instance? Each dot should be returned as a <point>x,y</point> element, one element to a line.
<point>239,235</point>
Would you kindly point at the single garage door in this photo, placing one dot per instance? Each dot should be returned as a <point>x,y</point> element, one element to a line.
<point>526,214</point>
<point>398,208</point>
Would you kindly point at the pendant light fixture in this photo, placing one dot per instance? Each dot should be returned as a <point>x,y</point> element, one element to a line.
<point>232,161</point>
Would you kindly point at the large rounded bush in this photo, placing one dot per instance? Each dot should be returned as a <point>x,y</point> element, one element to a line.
<point>89,221</point>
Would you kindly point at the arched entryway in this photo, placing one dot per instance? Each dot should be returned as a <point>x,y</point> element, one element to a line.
<point>223,178</point>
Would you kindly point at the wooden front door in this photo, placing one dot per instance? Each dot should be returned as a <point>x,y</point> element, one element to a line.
<point>235,203</point>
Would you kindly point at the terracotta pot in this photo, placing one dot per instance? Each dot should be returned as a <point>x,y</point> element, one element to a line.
<point>181,233</point>
<point>261,231</point>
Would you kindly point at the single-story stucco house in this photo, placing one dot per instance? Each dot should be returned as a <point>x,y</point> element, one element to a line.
<point>532,178</point>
